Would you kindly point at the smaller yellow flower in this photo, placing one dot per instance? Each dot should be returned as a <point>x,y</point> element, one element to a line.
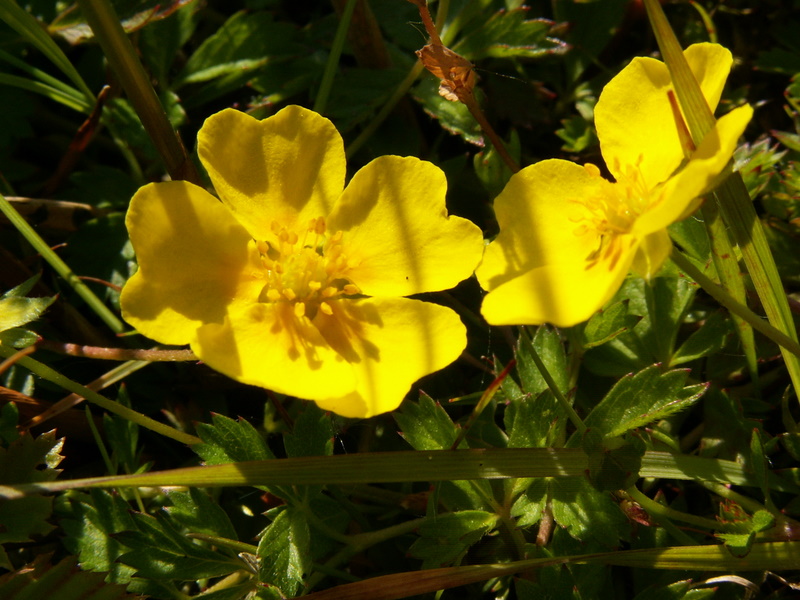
<point>292,282</point>
<point>568,237</point>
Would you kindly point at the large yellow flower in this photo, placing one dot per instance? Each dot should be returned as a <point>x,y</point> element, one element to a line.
<point>291,283</point>
<point>568,237</point>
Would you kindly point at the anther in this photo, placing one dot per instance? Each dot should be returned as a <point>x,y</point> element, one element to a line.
<point>299,310</point>
<point>351,289</point>
<point>325,308</point>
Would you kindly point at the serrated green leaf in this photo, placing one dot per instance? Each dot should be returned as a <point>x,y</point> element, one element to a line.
<point>159,551</point>
<point>226,440</point>
<point>284,551</point>
<point>614,463</point>
<point>425,425</point>
<point>508,33</point>
<point>709,339</point>
<point>531,421</point>
<point>198,513</point>
<point>577,133</point>
<point>528,508</point>
<point>312,434</point>
<point>548,346</point>
<point>452,116</point>
<point>586,513</point>
<point>692,236</point>
<point>607,324</point>
<point>444,539</point>
<point>639,399</point>
<point>16,311</point>
<point>245,41</point>
<point>89,522</point>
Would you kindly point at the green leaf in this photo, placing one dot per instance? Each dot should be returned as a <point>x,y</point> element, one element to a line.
<point>444,539</point>
<point>492,170</point>
<point>16,311</point>
<point>528,508</point>
<point>17,337</point>
<point>709,339</point>
<point>587,514</point>
<point>198,513</point>
<point>758,464</point>
<point>228,441</point>
<point>691,235</point>
<point>312,434</point>
<point>425,425</point>
<point>639,399</point>
<point>547,343</point>
<point>89,522</point>
<point>607,324</point>
<point>284,551</point>
<point>531,421</point>
<point>245,41</point>
<point>506,34</point>
<point>614,462</point>
<point>452,116</point>
<point>578,134</point>
<point>30,29</point>
<point>160,551</point>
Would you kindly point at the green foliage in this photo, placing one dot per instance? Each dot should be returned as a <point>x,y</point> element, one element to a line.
<point>608,390</point>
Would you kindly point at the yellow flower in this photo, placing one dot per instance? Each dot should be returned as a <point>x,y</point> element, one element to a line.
<point>292,283</point>
<point>568,237</point>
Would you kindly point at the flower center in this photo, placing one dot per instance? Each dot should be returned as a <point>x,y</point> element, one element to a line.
<point>613,211</point>
<point>307,272</point>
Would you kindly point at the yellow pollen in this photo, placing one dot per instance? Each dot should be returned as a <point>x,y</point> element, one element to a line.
<point>305,267</point>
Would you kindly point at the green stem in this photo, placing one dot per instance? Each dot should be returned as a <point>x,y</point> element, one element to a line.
<point>665,512</point>
<point>360,542</point>
<point>729,302</point>
<point>321,101</point>
<point>730,276</point>
<point>122,57</point>
<point>54,376</point>
<point>60,267</point>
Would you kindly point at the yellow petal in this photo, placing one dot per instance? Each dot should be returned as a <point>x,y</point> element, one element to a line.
<point>193,257</point>
<point>267,345</point>
<point>651,254</point>
<point>390,343</point>
<point>288,168</point>
<point>537,214</point>
<point>634,119</point>
<point>561,294</point>
<point>699,176</point>
<point>397,235</point>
